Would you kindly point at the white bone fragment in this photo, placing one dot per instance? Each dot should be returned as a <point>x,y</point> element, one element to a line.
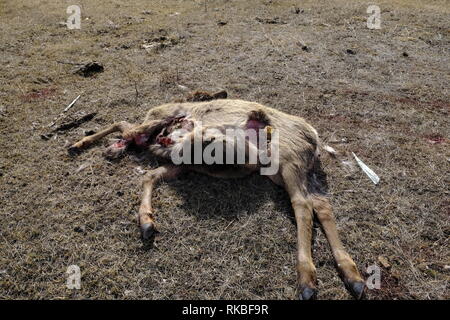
<point>372,175</point>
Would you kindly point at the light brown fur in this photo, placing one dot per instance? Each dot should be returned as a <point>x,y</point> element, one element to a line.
<point>299,146</point>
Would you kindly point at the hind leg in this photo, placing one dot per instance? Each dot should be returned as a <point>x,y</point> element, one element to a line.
<point>303,209</point>
<point>347,268</point>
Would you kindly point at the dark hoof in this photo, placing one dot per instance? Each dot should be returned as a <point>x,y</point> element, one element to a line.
<point>307,293</point>
<point>148,231</point>
<point>356,289</point>
<point>73,151</point>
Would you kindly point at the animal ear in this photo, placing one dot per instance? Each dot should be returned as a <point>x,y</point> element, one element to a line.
<point>258,115</point>
<point>199,96</point>
<point>220,95</point>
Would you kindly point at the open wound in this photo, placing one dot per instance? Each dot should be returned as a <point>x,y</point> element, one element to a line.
<point>257,121</point>
<point>180,122</point>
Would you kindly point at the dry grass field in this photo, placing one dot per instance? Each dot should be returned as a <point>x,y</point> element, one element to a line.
<point>382,94</point>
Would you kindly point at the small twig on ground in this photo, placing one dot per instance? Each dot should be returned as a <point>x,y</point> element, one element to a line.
<point>75,123</point>
<point>137,93</point>
<point>229,225</point>
<point>72,103</point>
<point>182,88</point>
<point>71,63</point>
<point>64,111</point>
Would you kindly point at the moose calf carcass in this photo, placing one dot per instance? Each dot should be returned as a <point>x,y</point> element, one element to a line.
<point>234,138</point>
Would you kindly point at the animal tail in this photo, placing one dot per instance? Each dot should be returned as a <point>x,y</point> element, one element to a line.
<point>324,148</point>
<point>339,158</point>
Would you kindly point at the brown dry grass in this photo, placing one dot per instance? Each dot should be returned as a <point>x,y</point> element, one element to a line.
<point>386,107</point>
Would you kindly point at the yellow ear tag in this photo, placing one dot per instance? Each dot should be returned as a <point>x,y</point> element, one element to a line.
<point>269,131</point>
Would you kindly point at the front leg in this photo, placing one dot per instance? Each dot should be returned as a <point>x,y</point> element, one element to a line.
<point>146,217</point>
<point>147,128</point>
<point>122,126</point>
